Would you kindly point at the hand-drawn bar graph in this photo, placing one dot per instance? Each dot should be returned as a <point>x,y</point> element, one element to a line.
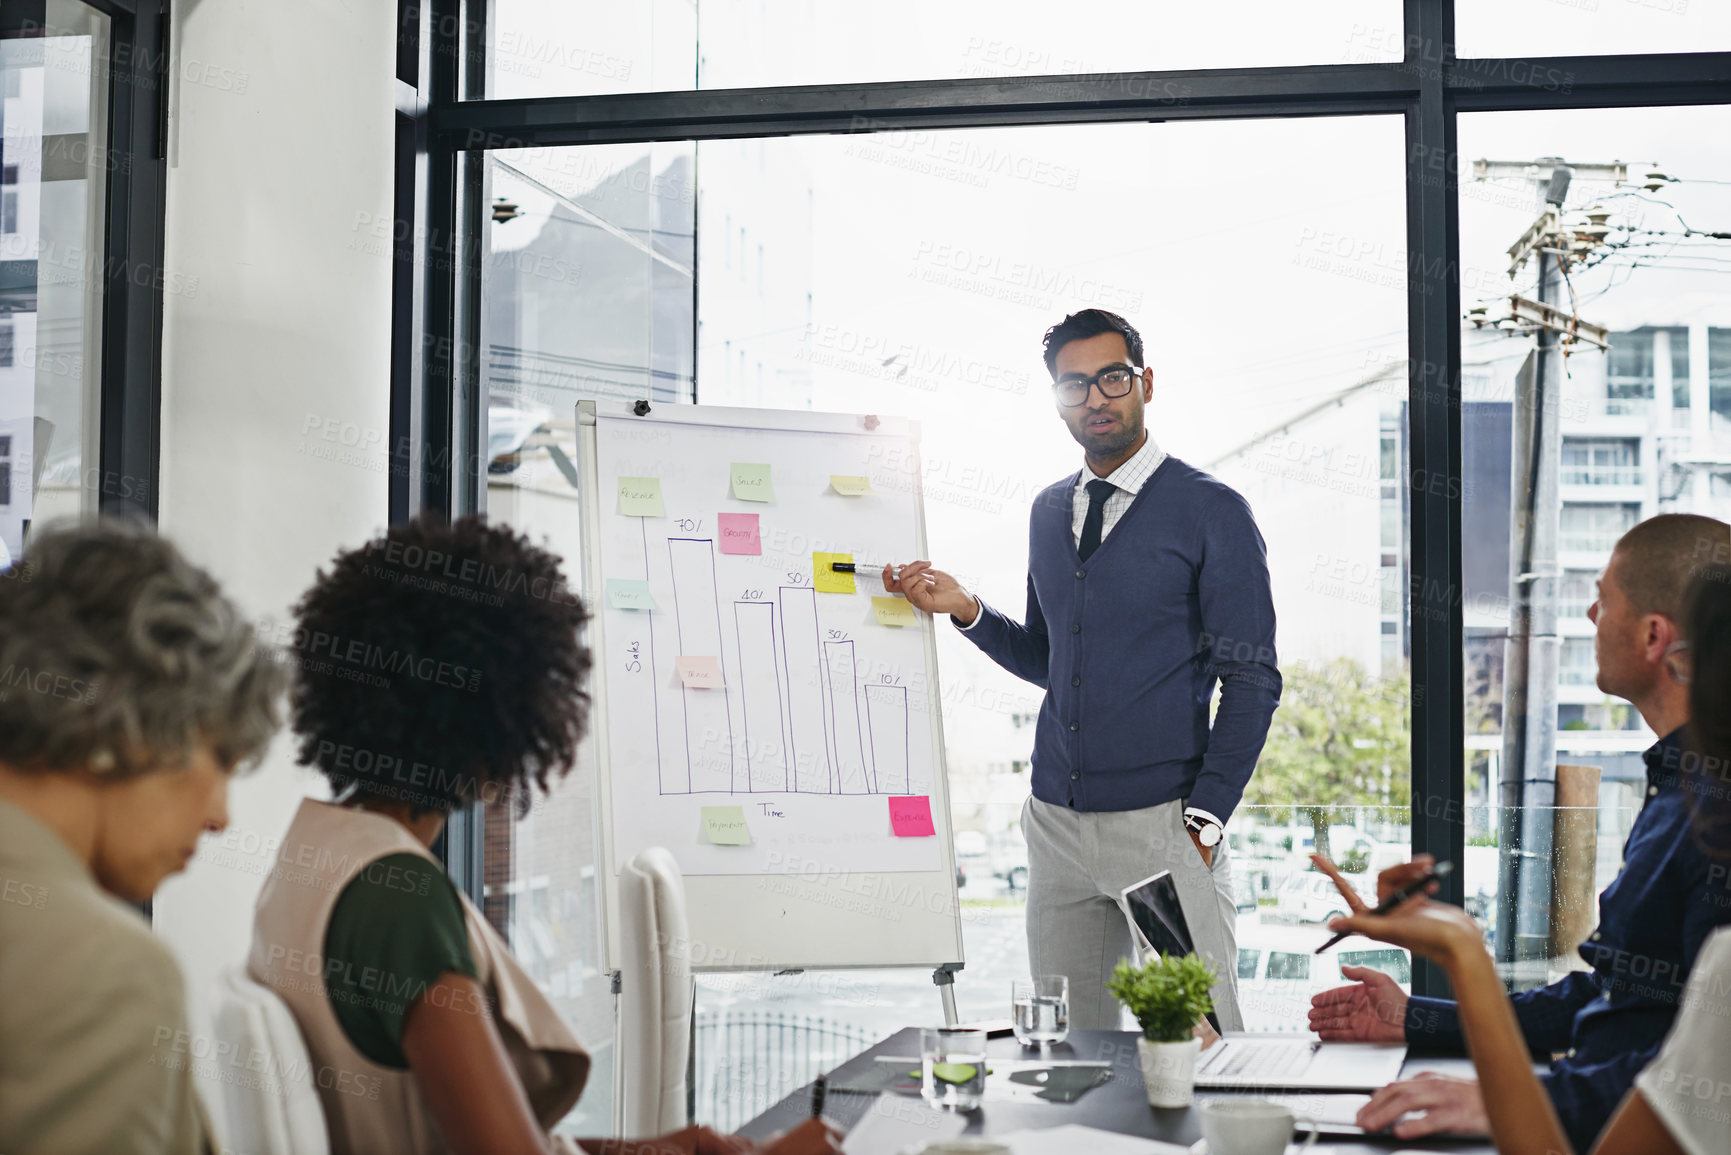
<point>760,695</point>
<point>795,715</point>
<point>887,726</point>
<point>708,717</point>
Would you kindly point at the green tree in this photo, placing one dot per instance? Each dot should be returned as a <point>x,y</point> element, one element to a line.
<point>1342,737</point>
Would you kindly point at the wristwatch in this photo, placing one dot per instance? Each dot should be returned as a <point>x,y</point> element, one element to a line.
<point>1207,830</point>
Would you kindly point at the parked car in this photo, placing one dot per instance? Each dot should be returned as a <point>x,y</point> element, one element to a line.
<point>1311,897</point>
<point>1243,893</point>
<point>1009,855</point>
<point>971,858</point>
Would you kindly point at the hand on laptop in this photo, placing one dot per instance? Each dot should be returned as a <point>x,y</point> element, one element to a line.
<point>1446,1104</point>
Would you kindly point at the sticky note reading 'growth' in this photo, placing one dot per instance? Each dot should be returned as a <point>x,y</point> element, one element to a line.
<point>826,579</point>
<point>699,673</point>
<point>912,817</point>
<point>629,594</point>
<point>739,533</point>
<point>751,482</point>
<point>850,486</point>
<point>725,825</point>
<point>640,497</point>
<point>893,611</point>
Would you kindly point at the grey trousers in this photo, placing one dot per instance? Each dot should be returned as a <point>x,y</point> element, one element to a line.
<point>1078,863</point>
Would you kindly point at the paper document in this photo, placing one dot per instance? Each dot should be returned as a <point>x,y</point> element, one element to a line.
<point>1073,1137</point>
<point>894,1124</point>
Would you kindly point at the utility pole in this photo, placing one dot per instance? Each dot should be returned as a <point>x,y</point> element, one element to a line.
<point>1531,654</point>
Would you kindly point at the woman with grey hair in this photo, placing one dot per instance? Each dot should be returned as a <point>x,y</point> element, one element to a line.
<point>130,690</point>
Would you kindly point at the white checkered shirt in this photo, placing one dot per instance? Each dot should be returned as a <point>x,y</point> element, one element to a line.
<point>1127,479</point>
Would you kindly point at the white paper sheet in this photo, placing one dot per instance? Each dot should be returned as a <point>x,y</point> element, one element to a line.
<point>1073,1137</point>
<point>895,1124</point>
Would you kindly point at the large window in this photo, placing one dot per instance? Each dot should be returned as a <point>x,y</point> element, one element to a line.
<point>659,220</point>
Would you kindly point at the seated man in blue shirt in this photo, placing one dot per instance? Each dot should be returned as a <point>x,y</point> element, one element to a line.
<point>1605,1024</point>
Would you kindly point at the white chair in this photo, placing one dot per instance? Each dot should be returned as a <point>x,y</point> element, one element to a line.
<point>268,1097</point>
<point>655,995</point>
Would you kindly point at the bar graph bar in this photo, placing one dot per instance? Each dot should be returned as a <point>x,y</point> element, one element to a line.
<point>851,774</point>
<point>697,610</point>
<point>760,695</point>
<point>806,705</point>
<point>887,725</point>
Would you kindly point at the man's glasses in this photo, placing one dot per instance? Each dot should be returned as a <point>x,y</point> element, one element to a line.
<point>1114,381</point>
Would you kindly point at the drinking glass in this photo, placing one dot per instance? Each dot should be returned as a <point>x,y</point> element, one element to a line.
<point>1041,1008</point>
<point>953,1067</point>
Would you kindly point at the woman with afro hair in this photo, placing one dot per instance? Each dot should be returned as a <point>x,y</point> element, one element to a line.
<point>439,664</point>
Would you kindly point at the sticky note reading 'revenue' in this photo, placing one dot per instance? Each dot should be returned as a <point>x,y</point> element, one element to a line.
<point>739,533</point>
<point>751,482</point>
<point>640,497</point>
<point>725,825</point>
<point>893,611</point>
<point>850,486</point>
<point>827,580</point>
<point>912,817</point>
<point>700,673</point>
<point>629,594</point>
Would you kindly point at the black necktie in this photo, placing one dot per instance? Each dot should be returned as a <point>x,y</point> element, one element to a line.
<point>1098,491</point>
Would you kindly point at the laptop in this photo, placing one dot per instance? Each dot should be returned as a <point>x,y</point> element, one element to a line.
<point>1246,1059</point>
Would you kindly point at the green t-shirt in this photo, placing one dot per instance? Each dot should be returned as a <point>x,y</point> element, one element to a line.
<point>397,928</point>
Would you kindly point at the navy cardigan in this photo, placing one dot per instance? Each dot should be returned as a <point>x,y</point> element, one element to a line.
<point>1130,644</point>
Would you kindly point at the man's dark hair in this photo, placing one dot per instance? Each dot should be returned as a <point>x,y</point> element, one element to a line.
<point>1707,627</point>
<point>1090,323</point>
<point>441,663</point>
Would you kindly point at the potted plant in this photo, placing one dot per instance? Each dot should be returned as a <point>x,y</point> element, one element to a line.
<point>1168,995</point>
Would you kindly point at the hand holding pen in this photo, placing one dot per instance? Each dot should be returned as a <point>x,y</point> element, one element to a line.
<point>1405,917</point>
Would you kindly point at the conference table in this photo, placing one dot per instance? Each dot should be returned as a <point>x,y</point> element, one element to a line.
<point>1120,1104</point>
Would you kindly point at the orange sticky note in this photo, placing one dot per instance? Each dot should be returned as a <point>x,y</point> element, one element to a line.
<point>699,673</point>
<point>911,817</point>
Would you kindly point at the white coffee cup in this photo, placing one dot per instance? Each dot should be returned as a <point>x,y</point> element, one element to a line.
<point>1236,1126</point>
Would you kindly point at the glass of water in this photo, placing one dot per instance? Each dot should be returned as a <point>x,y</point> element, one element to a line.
<point>1041,1007</point>
<point>953,1067</point>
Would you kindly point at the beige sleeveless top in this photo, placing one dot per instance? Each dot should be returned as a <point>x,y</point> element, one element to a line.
<point>369,1108</point>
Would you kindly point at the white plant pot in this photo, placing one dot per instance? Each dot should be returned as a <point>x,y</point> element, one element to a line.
<point>1169,1071</point>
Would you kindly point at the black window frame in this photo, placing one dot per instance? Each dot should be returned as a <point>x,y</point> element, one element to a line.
<point>127,470</point>
<point>437,408</point>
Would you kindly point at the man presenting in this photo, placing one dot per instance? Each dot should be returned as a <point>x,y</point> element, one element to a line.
<point>1147,584</point>
<point>1604,1024</point>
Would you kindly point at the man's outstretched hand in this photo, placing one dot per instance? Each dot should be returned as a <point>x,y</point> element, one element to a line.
<point>1371,1010</point>
<point>931,591</point>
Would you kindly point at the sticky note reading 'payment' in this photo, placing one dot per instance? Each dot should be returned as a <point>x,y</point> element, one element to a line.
<point>827,580</point>
<point>751,482</point>
<point>640,497</point>
<point>739,533</point>
<point>893,611</point>
<point>850,486</point>
<point>629,594</point>
<point>912,817</point>
<point>700,673</point>
<point>725,825</point>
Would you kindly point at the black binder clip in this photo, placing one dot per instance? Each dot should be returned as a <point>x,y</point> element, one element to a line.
<point>641,408</point>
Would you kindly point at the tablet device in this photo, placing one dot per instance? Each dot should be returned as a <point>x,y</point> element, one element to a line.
<point>1156,917</point>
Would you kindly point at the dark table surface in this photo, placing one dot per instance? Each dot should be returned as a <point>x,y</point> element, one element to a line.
<point>1121,1104</point>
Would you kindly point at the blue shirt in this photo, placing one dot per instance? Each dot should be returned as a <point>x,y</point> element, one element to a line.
<point>1608,1022</point>
<point>1130,645</point>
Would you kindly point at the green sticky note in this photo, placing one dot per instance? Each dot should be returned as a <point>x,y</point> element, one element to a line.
<point>725,825</point>
<point>849,485</point>
<point>751,482</point>
<point>640,497</point>
<point>629,594</point>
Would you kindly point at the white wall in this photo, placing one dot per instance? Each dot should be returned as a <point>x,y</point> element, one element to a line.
<point>282,141</point>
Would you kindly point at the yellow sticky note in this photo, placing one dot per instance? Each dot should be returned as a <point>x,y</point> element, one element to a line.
<point>827,580</point>
<point>751,482</point>
<point>725,825</point>
<point>893,612</point>
<point>850,486</point>
<point>640,497</point>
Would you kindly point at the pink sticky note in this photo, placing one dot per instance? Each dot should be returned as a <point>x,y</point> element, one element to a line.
<point>739,533</point>
<point>912,817</point>
<point>699,673</point>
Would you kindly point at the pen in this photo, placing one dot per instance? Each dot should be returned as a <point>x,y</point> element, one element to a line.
<point>843,566</point>
<point>818,1090</point>
<point>1397,898</point>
